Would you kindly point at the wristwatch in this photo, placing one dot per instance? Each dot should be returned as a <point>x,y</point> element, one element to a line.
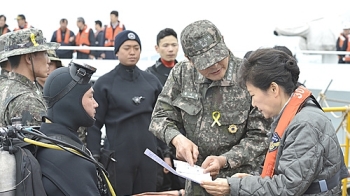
<point>226,164</point>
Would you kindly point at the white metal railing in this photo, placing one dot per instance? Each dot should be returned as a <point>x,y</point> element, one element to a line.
<point>148,54</point>
<point>306,56</point>
<point>112,48</point>
<point>323,52</point>
<point>86,47</point>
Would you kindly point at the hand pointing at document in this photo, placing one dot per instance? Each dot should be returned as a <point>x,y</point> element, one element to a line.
<point>186,150</point>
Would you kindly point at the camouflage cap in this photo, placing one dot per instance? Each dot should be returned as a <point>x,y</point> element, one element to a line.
<point>53,57</point>
<point>24,42</point>
<point>203,44</point>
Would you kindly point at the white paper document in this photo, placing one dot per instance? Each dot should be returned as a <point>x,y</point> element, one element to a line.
<point>183,169</point>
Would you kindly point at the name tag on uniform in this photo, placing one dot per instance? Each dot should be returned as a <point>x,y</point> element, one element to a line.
<point>190,95</point>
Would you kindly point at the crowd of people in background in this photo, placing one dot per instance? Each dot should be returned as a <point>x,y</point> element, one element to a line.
<point>101,35</point>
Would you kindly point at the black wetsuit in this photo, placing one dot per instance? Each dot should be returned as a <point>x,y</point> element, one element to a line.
<point>65,173</point>
<point>126,98</point>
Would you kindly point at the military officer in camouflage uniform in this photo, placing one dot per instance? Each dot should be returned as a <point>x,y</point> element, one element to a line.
<point>202,96</point>
<point>5,69</point>
<point>20,96</point>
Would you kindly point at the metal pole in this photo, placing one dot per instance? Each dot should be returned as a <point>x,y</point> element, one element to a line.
<point>337,100</point>
<point>335,109</point>
<point>324,91</point>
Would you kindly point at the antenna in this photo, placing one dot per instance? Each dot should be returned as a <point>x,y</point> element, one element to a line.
<point>323,93</point>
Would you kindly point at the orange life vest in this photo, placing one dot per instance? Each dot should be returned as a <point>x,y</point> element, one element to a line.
<point>26,26</point>
<point>59,36</point>
<point>340,43</point>
<point>82,39</point>
<point>110,34</point>
<point>5,30</point>
<point>291,109</point>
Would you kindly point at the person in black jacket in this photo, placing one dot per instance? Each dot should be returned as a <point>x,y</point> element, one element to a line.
<point>167,47</point>
<point>70,105</point>
<point>126,97</point>
<point>99,39</point>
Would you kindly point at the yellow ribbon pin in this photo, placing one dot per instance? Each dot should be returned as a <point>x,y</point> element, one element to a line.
<point>32,38</point>
<point>216,116</point>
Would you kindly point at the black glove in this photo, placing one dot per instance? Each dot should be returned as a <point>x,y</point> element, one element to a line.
<point>275,33</point>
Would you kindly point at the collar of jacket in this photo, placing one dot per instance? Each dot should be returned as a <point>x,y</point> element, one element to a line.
<point>52,128</point>
<point>22,79</point>
<point>159,64</point>
<point>130,73</point>
<point>4,72</point>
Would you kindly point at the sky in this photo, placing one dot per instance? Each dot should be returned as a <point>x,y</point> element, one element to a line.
<point>246,25</point>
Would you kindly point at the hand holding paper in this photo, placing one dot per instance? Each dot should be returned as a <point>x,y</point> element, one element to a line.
<point>213,164</point>
<point>183,169</point>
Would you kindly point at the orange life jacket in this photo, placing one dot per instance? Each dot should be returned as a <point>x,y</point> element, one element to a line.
<point>59,36</point>
<point>291,109</point>
<point>5,30</point>
<point>26,26</point>
<point>340,43</point>
<point>82,39</point>
<point>110,34</point>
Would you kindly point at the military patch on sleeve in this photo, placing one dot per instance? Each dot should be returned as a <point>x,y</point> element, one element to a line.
<point>275,142</point>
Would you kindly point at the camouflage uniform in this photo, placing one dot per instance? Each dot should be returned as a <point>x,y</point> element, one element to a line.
<point>27,101</point>
<point>4,73</point>
<point>82,134</point>
<point>53,57</point>
<point>20,97</point>
<point>189,100</point>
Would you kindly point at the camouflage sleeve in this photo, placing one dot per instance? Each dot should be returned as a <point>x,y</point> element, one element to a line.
<point>29,107</point>
<point>82,134</point>
<point>253,147</point>
<point>165,116</point>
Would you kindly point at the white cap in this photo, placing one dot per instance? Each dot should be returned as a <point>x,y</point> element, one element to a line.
<point>346,25</point>
<point>4,59</point>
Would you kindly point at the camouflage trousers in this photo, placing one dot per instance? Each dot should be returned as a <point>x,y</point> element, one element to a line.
<point>194,189</point>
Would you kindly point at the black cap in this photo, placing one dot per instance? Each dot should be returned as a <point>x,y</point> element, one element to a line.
<point>115,13</point>
<point>123,37</point>
<point>20,17</point>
